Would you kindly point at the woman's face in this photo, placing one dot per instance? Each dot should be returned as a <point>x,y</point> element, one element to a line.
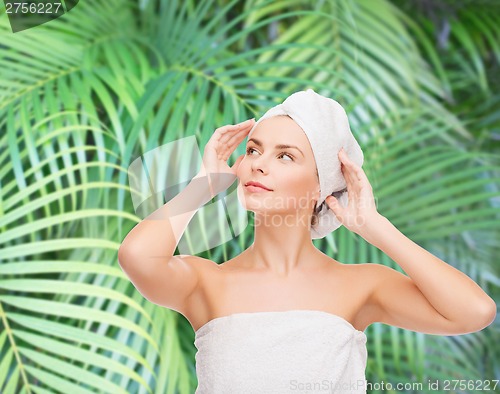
<point>290,172</point>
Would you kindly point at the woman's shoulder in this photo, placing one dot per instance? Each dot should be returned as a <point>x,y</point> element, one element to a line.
<point>238,262</point>
<point>201,265</point>
<point>350,266</point>
<point>364,273</point>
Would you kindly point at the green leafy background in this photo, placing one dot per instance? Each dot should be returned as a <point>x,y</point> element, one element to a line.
<point>83,96</point>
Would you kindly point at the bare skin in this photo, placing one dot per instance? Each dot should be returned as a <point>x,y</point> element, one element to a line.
<point>324,284</point>
<point>283,270</point>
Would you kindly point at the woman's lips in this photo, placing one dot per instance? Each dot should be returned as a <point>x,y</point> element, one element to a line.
<point>256,189</point>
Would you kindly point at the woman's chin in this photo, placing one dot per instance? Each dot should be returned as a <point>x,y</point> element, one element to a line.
<point>251,201</point>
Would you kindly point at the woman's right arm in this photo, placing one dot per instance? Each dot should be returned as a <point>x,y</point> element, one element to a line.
<point>156,236</point>
<point>146,254</point>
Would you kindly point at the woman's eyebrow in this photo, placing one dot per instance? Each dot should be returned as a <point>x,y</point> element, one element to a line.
<point>279,146</point>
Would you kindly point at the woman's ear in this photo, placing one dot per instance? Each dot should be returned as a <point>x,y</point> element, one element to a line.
<point>317,192</point>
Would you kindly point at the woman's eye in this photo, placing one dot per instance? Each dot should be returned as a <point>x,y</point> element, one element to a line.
<point>286,154</point>
<point>249,150</point>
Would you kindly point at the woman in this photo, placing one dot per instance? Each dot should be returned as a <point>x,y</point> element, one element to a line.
<point>282,316</point>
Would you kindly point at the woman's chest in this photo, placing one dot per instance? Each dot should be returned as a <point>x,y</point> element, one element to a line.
<point>225,292</point>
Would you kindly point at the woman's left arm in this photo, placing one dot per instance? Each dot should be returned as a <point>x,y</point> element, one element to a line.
<point>460,301</point>
<point>452,293</point>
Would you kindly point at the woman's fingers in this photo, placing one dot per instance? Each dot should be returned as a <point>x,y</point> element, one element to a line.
<point>229,147</point>
<point>347,176</point>
<point>357,174</point>
<point>352,171</point>
<point>236,127</point>
<point>222,134</point>
<point>356,171</point>
<point>238,136</point>
<point>227,133</point>
<point>232,137</point>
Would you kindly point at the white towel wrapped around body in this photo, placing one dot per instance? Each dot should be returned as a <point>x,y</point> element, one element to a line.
<point>297,351</point>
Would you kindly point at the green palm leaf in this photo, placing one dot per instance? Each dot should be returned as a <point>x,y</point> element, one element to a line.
<point>83,96</point>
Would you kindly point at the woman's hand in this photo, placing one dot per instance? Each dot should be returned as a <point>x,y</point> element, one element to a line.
<point>216,154</point>
<point>361,209</point>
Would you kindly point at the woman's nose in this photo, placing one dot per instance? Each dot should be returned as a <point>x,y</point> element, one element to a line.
<point>259,163</point>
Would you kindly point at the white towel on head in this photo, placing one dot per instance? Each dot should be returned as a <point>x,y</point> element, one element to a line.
<point>325,124</point>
